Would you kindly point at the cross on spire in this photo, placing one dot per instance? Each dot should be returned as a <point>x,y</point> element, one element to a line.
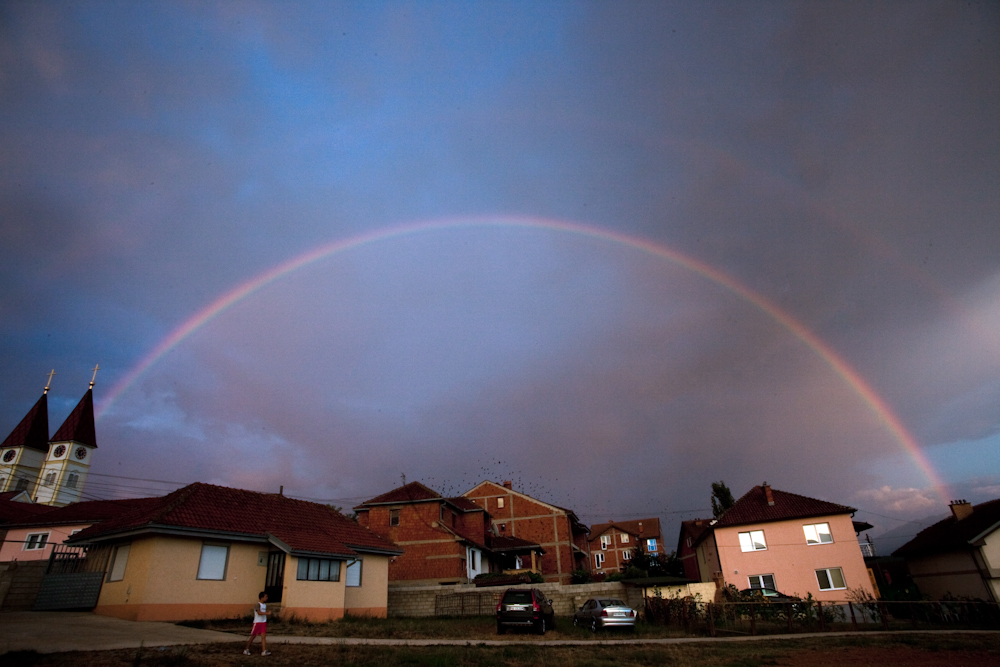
<point>49,383</point>
<point>96,368</point>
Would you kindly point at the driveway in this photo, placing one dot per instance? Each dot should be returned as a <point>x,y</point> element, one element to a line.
<point>58,631</point>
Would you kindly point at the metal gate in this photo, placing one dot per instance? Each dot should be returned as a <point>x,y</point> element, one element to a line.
<point>73,578</point>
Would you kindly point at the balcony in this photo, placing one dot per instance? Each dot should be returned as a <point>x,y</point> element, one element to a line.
<point>867,549</point>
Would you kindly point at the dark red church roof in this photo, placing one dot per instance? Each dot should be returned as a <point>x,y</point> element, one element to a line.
<point>89,511</point>
<point>33,431</point>
<point>79,426</point>
<point>303,526</point>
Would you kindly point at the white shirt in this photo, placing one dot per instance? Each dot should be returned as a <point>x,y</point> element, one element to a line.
<point>258,613</point>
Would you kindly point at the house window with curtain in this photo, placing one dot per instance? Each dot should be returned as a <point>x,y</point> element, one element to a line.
<point>818,533</point>
<point>213,562</point>
<point>753,541</point>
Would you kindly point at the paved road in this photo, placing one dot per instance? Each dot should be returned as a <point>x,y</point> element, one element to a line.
<point>58,631</point>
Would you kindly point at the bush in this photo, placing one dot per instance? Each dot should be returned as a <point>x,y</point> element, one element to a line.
<point>580,577</point>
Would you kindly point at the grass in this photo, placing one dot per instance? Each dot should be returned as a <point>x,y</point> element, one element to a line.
<point>982,650</point>
<point>465,627</point>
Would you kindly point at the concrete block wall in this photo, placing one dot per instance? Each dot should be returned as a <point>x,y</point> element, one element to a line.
<point>420,600</point>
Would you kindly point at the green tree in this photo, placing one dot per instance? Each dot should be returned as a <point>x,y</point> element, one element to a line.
<point>722,498</point>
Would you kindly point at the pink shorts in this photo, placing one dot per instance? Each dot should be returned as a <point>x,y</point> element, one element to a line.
<point>259,629</point>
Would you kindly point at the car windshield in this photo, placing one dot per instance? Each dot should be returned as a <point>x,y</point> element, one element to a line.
<point>613,602</point>
<point>517,597</point>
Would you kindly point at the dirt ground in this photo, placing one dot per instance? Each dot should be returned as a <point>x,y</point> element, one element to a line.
<point>981,650</point>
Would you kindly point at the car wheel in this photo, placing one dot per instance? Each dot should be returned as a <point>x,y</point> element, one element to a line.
<point>500,629</point>
<point>593,625</point>
<point>576,622</point>
<point>541,627</point>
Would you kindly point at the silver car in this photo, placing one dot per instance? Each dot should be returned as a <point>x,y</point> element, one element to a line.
<point>604,613</point>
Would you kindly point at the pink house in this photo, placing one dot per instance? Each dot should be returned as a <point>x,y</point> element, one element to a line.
<point>784,541</point>
<point>32,538</point>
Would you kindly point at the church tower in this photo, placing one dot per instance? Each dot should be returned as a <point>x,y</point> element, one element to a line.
<point>25,449</point>
<point>65,469</point>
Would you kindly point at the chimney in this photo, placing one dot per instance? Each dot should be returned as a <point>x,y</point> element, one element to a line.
<point>281,490</point>
<point>507,484</point>
<point>640,527</point>
<point>768,494</point>
<point>961,509</point>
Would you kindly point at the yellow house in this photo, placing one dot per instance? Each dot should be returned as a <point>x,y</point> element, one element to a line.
<point>207,551</point>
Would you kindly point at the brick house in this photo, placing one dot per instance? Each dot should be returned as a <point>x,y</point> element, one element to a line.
<point>445,540</point>
<point>556,529</point>
<point>689,536</point>
<point>612,544</point>
<point>794,544</point>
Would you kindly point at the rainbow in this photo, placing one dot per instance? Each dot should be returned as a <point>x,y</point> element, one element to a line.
<point>841,367</point>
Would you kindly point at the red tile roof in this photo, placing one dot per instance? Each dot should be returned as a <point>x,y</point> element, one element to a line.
<point>15,510</point>
<point>79,426</point>
<point>464,504</point>
<point>305,527</point>
<point>506,543</point>
<point>953,535</point>
<point>408,493</point>
<point>33,430</point>
<point>91,511</point>
<point>650,528</point>
<point>753,508</point>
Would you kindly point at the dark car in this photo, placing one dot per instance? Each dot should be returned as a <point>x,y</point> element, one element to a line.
<point>768,595</point>
<point>605,613</point>
<point>525,608</point>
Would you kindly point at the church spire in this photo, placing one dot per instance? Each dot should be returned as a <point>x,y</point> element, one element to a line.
<point>79,426</point>
<point>33,431</point>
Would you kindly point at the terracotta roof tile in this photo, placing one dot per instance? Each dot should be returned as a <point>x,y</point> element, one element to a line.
<point>951,534</point>
<point>303,526</point>
<point>33,430</point>
<point>15,510</point>
<point>79,425</point>
<point>407,493</point>
<point>753,508</point>
<point>91,511</point>
<point>464,504</point>
<point>650,527</point>
<point>506,543</point>
<point>694,529</point>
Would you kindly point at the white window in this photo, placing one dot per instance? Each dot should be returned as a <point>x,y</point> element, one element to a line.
<point>651,545</point>
<point>605,542</point>
<point>624,538</point>
<point>50,479</point>
<point>499,503</point>
<point>72,480</point>
<point>393,517</point>
<point>753,541</point>
<point>831,579</point>
<point>627,555</point>
<point>35,541</point>
<point>599,560</point>
<point>818,533</point>
<point>762,581</point>
<point>688,541</point>
<point>354,573</point>
<point>213,562</point>
<point>118,562</point>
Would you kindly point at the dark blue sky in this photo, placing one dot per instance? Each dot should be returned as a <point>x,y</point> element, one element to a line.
<point>841,160</point>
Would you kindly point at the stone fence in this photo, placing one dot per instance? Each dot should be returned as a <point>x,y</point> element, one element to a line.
<point>468,600</point>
